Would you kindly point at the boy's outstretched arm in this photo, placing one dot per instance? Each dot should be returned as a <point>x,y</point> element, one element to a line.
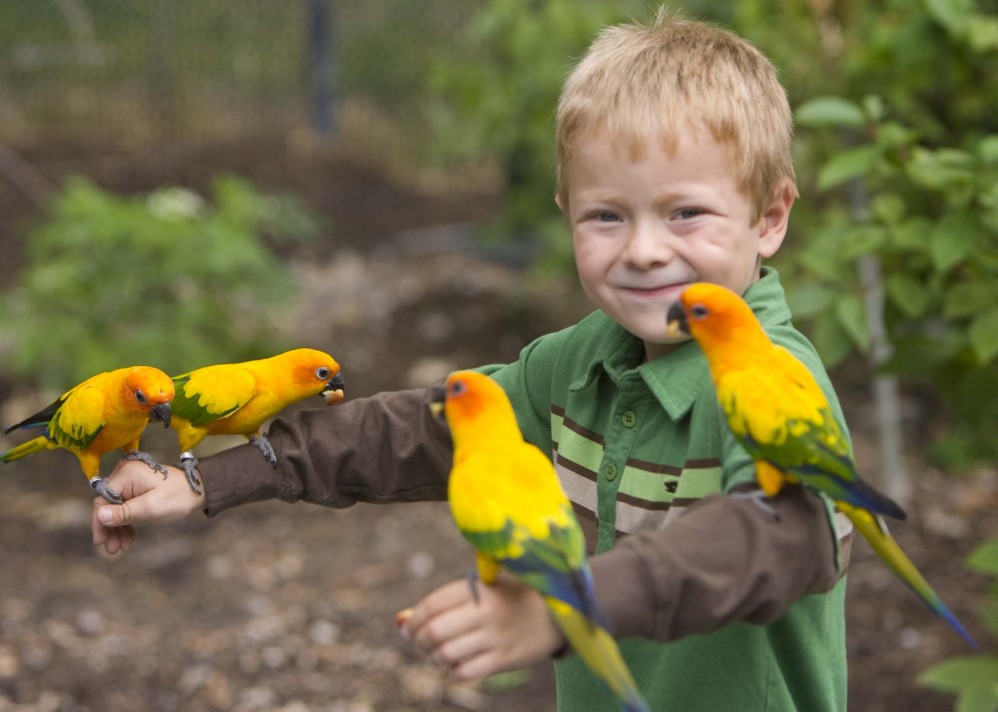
<point>385,448</point>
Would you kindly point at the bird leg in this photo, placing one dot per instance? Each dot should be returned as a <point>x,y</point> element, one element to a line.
<point>189,464</point>
<point>760,499</point>
<point>268,452</point>
<point>99,488</point>
<point>473,579</point>
<point>147,459</point>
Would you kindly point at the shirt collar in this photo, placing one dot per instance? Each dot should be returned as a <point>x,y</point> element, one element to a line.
<point>676,378</point>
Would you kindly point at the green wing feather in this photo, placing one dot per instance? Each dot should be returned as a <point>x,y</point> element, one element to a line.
<point>211,393</point>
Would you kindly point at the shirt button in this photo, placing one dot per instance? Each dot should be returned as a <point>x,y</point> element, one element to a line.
<point>611,472</point>
<point>629,419</point>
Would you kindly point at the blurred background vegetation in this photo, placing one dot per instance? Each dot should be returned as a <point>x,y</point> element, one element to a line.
<point>891,264</point>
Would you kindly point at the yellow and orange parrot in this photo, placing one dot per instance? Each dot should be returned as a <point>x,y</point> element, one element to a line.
<point>508,503</point>
<point>106,412</point>
<point>237,398</point>
<point>779,414</point>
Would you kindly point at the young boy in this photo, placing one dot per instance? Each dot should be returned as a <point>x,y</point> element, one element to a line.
<point>674,166</point>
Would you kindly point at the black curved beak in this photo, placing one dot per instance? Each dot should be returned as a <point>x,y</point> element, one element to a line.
<point>336,383</point>
<point>676,321</point>
<point>161,412</point>
<point>438,396</point>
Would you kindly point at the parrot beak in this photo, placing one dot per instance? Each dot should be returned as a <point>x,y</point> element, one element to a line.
<point>676,323</point>
<point>161,412</point>
<point>332,392</point>
<point>439,396</point>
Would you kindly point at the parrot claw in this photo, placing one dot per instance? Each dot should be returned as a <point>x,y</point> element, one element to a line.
<point>189,463</point>
<point>473,579</point>
<point>760,500</point>
<point>261,442</point>
<point>147,459</point>
<point>100,488</point>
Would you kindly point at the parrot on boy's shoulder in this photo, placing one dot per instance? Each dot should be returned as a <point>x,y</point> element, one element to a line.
<point>508,503</point>
<point>106,412</point>
<point>237,398</point>
<point>779,414</point>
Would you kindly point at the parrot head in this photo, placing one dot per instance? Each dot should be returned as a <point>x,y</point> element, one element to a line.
<point>708,312</point>
<point>315,372</point>
<point>473,404</point>
<point>148,390</point>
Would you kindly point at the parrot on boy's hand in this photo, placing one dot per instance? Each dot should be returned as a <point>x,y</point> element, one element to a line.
<point>237,398</point>
<point>780,415</point>
<point>508,503</point>
<point>104,413</point>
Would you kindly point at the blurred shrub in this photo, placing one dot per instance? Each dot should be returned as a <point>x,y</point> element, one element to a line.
<point>904,167</point>
<point>166,279</point>
<point>973,678</point>
<point>496,89</point>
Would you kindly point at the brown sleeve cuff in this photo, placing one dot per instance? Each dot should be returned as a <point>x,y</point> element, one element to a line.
<point>724,560</point>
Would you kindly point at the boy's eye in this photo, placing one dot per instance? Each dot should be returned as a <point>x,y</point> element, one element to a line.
<point>607,216</point>
<point>688,213</point>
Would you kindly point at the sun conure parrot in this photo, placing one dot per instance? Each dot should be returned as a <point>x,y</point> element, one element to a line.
<point>106,412</point>
<point>508,503</point>
<point>779,414</point>
<point>237,398</point>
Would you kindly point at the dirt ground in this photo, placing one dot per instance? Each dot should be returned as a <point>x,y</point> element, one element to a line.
<point>290,607</point>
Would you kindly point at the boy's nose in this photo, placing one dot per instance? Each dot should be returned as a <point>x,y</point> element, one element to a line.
<point>647,246</point>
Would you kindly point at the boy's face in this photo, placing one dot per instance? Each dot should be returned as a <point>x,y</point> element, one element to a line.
<point>642,230</point>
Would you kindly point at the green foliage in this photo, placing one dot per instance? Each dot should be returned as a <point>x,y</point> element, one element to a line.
<point>165,279</point>
<point>496,95</point>
<point>973,678</point>
<point>909,175</point>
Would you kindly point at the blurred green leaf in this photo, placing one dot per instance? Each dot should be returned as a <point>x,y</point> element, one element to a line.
<point>984,334</point>
<point>851,314</point>
<point>974,678</point>
<point>847,165</point>
<point>952,240</point>
<point>908,294</point>
<point>985,558</point>
<point>968,298</point>
<point>829,111</point>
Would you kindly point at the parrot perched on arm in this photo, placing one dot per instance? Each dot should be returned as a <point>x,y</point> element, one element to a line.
<point>508,503</point>
<point>236,399</point>
<point>779,414</point>
<point>104,413</point>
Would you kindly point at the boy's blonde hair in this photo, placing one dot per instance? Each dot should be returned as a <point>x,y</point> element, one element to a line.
<point>636,80</point>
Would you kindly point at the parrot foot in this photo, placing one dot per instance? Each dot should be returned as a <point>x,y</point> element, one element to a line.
<point>147,459</point>
<point>189,464</point>
<point>268,452</point>
<point>473,580</point>
<point>100,488</point>
<point>760,499</point>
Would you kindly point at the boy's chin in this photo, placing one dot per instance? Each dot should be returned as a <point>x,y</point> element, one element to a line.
<point>662,345</point>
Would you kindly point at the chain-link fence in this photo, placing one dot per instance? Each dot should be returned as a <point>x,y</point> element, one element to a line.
<point>138,72</point>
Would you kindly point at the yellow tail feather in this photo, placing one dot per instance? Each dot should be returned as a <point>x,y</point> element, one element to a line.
<point>25,449</point>
<point>599,651</point>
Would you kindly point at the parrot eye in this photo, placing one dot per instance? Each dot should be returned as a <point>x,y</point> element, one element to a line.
<point>699,311</point>
<point>457,388</point>
<point>140,397</point>
<point>322,373</point>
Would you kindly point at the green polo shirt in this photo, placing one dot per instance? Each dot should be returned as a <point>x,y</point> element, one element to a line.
<point>635,444</point>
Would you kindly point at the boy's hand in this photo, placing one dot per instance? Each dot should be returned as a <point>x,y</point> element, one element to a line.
<point>148,498</point>
<point>508,628</point>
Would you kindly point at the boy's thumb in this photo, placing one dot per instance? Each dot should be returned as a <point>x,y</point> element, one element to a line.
<point>114,515</point>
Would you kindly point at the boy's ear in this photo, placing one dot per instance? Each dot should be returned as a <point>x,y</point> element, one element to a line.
<point>557,201</point>
<point>773,223</point>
